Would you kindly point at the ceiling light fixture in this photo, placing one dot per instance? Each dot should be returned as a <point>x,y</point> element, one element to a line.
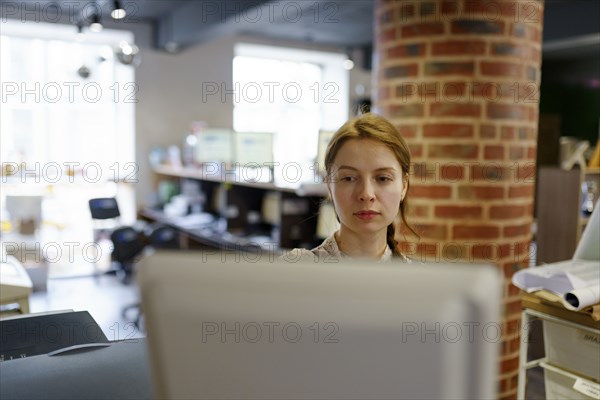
<point>128,54</point>
<point>79,34</point>
<point>118,11</point>
<point>348,63</point>
<point>96,26</point>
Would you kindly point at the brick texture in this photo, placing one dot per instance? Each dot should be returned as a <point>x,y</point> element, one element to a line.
<point>460,79</point>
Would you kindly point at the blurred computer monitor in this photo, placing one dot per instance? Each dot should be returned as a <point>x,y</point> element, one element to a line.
<point>242,326</point>
<point>324,139</point>
<point>253,148</point>
<point>215,145</point>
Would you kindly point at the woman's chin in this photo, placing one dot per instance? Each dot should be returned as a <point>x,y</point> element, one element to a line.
<point>370,227</point>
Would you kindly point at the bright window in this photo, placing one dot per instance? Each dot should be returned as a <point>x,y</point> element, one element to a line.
<point>67,104</point>
<point>292,93</point>
<point>65,101</point>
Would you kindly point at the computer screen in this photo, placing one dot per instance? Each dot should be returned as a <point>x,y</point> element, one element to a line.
<point>235,325</point>
<point>215,145</point>
<point>324,139</point>
<point>253,149</point>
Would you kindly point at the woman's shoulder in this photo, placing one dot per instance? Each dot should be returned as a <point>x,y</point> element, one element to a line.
<point>328,251</point>
<point>325,252</point>
<point>403,258</point>
<point>296,255</point>
<point>315,255</point>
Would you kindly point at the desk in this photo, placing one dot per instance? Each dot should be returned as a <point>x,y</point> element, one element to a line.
<point>238,198</point>
<point>15,284</point>
<point>211,237</point>
<point>118,371</point>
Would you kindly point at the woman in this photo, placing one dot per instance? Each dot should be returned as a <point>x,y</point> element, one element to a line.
<point>367,164</point>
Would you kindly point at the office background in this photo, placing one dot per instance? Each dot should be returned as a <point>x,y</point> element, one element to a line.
<point>185,45</point>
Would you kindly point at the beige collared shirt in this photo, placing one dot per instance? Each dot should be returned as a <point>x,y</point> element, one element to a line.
<point>329,251</point>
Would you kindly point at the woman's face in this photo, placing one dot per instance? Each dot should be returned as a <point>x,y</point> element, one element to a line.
<point>367,185</point>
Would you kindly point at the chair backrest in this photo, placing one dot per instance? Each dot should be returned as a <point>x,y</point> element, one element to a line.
<point>163,237</point>
<point>104,208</point>
<point>128,244</point>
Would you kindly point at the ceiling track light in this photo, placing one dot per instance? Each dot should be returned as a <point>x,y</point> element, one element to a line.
<point>96,25</point>
<point>118,11</point>
<point>79,34</point>
<point>348,63</point>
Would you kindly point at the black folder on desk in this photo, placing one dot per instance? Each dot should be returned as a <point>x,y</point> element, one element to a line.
<point>34,334</point>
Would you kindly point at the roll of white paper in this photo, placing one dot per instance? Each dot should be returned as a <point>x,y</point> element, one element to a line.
<point>581,298</point>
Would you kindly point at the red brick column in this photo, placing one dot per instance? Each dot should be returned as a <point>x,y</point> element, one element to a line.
<point>460,78</point>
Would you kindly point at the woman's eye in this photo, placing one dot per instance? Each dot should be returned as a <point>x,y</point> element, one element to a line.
<point>385,178</point>
<point>348,179</point>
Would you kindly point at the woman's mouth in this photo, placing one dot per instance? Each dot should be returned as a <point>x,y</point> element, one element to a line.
<point>367,215</point>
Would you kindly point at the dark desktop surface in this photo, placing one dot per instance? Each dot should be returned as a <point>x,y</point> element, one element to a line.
<point>114,370</point>
<point>215,235</point>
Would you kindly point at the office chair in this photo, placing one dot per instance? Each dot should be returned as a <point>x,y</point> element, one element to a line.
<point>162,237</point>
<point>105,215</point>
<point>156,236</point>
<point>128,243</point>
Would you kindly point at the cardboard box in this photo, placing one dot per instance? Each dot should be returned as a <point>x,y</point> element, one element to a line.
<point>561,384</point>
<point>572,349</point>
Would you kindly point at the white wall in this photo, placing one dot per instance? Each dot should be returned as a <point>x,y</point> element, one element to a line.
<point>170,97</point>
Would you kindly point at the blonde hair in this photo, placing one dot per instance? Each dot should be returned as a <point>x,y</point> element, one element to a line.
<point>375,127</point>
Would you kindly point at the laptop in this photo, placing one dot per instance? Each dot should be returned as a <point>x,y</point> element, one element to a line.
<point>252,326</point>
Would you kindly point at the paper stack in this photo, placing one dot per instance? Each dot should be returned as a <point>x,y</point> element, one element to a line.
<point>577,281</point>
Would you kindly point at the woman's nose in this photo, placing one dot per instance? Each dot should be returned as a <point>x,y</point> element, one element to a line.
<point>367,192</point>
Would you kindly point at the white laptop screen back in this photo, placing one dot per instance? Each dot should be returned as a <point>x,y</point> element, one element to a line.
<point>222,328</point>
<point>588,247</point>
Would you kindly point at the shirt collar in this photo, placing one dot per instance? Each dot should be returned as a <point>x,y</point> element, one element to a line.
<point>331,244</point>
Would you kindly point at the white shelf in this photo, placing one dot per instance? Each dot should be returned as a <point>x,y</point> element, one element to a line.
<point>212,175</point>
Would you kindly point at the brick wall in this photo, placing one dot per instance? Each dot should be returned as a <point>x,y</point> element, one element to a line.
<point>460,79</point>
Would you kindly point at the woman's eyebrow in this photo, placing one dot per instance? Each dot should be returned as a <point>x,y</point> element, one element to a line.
<point>347,167</point>
<point>382,169</point>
